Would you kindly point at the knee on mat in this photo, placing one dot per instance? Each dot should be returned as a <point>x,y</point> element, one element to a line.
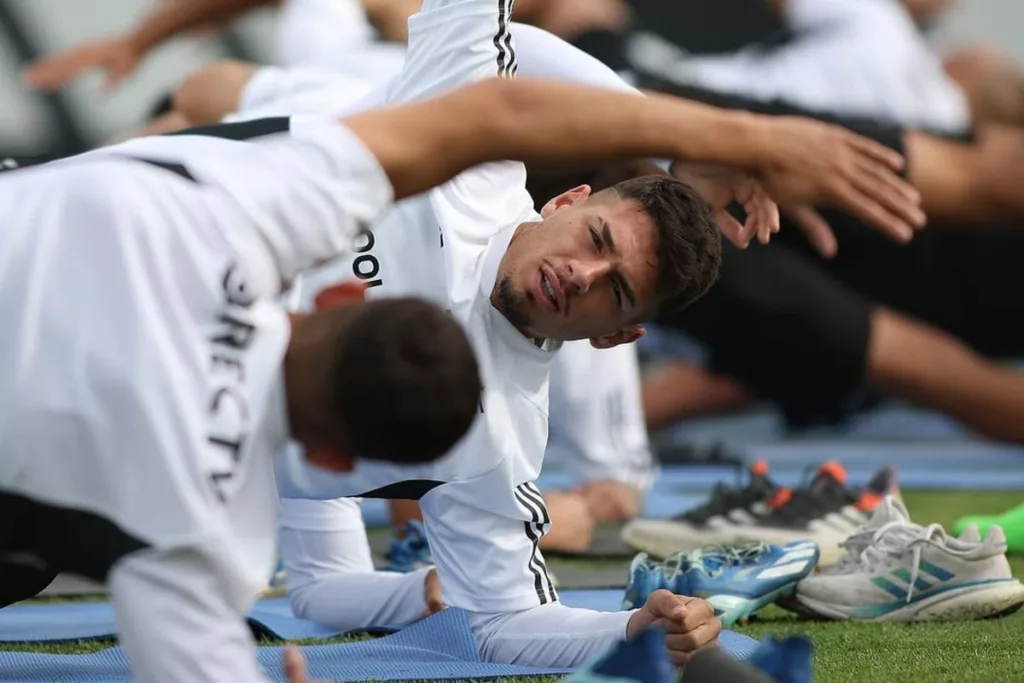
<point>572,526</point>
<point>205,92</point>
<point>612,501</point>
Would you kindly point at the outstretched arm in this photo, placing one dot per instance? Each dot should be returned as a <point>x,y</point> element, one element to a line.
<point>422,144</point>
<point>119,56</point>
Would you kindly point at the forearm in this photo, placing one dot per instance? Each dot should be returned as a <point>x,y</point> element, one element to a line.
<point>331,579</point>
<point>184,15</point>
<point>551,635</point>
<point>548,123</point>
<point>176,623</point>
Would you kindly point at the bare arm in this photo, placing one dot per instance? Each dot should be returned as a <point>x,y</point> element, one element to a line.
<point>184,15</point>
<point>425,143</point>
<point>119,56</point>
<point>391,17</point>
<point>546,123</point>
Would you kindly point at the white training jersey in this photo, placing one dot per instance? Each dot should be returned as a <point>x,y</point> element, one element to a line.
<point>850,57</point>
<point>141,359</point>
<point>448,250</point>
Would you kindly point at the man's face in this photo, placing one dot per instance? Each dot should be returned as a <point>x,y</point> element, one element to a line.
<point>587,272</point>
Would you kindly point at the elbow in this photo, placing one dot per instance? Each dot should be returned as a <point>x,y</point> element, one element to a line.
<point>497,102</point>
<point>506,109</point>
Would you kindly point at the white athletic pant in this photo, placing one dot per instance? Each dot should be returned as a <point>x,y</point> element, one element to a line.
<point>596,421</point>
<point>331,581</point>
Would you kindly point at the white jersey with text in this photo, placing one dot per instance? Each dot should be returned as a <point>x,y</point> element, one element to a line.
<point>143,398</point>
<point>448,250</point>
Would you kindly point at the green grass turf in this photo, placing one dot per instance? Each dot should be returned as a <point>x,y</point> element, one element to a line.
<point>982,651</point>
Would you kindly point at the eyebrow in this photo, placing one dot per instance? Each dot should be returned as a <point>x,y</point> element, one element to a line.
<point>606,235</point>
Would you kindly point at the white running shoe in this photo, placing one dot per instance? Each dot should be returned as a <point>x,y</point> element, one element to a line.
<point>895,570</point>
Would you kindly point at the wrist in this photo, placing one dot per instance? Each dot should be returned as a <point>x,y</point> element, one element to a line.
<point>754,133</point>
<point>638,621</point>
<point>137,41</point>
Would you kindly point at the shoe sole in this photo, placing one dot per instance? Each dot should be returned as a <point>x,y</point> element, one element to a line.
<point>661,539</point>
<point>737,609</point>
<point>964,604</point>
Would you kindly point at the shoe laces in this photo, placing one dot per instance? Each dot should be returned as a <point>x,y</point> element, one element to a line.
<point>894,540</point>
<point>714,559</point>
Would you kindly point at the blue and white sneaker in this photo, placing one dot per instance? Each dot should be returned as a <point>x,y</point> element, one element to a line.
<point>412,552</point>
<point>738,581</point>
<point>643,659</point>
<point>896,570</point>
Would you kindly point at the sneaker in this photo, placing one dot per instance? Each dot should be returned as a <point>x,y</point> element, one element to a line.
<point>712,523</point>
<point>826,512</point>
<point>278,584</point>
<point>411,552</point>
<point>736,581</point>
<point>901,571</point>
<point>643,659</point>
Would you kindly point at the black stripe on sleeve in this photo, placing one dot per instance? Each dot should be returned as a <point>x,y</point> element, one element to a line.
<point>502,37</point>
<point>513,63</point>
<point>530,498</point>
<point>539,576</point>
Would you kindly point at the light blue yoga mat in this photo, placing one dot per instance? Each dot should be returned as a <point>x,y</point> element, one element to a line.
<point>767,426</point>
<point>951,466</point>
<point>439,648</point>
<point>957,464</point>
<point>70,621</point>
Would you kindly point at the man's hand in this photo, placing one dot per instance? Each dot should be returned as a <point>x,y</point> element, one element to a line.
<point>116,57</point>
<point>690,623</point>
<point>807,164</point>
<point>432,593</point>
<point>294,665</point>
<point>721,187</point>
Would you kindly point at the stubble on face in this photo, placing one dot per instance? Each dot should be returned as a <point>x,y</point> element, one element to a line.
<point>513,305</point>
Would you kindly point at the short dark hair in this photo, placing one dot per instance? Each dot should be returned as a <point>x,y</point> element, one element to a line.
<point>406,382</point>
<point>689,245</point>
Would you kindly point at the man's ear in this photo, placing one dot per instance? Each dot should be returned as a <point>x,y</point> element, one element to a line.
<point>329,459</point>
<point>566,199</point>
<point>627,335</point>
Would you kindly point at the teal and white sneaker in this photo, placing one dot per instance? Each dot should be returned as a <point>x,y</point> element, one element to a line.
<point>736,580</point>
<point>895,570</point>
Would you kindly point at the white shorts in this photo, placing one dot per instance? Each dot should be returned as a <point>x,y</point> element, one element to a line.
<point>597,429</point>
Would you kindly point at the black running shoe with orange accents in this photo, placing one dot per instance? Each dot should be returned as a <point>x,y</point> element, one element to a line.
<point>713,522</point>
<point>826,512</point>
